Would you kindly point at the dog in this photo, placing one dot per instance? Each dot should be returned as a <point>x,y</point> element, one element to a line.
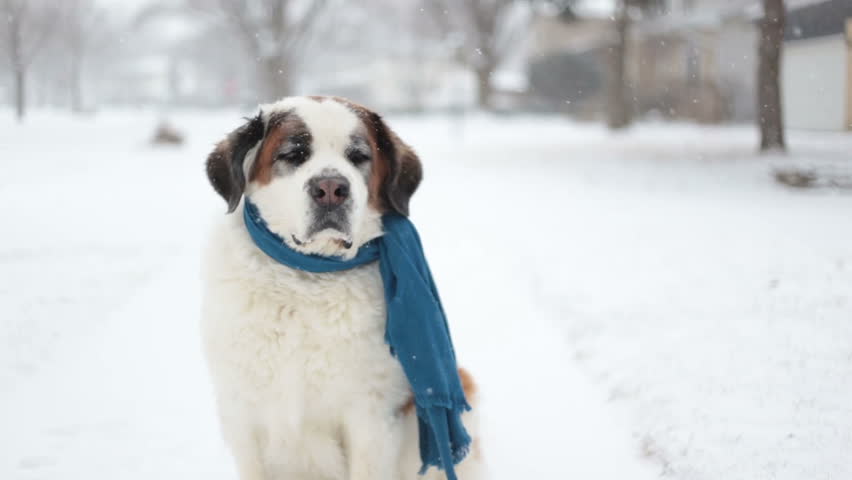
<point>306,386</point>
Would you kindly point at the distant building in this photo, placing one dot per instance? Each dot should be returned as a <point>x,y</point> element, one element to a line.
<point>817,66</point>
<point>696,62</point>
<point>567,63</point>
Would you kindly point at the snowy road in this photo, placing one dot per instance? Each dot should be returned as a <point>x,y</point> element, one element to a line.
<point>632,305</point>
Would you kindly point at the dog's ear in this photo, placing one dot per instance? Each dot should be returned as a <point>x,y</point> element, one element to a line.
<point>398,168</point>
<point>225,163</point>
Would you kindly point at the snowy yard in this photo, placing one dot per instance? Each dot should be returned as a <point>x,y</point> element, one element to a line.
<point>633,305</point>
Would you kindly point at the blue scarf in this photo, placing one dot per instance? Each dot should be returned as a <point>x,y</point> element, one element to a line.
<point>416,330</point>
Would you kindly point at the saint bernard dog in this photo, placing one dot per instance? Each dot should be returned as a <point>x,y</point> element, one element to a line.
<point>305,384</point>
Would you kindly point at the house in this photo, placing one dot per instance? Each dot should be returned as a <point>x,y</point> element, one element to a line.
<point>567,63</point>
<point>696,62</point>
<point>816,69</point>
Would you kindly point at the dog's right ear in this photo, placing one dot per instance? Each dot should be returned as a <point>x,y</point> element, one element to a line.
<point>225,163</point>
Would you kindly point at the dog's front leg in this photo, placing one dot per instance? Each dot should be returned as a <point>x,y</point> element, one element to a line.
<point>245,447</point>
<point>373,441</point>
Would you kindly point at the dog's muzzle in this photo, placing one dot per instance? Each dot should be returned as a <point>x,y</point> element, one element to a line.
<point>331,204</point>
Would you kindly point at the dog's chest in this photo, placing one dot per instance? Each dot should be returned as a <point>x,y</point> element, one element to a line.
<point>330,331</point>
<point>306,343</point>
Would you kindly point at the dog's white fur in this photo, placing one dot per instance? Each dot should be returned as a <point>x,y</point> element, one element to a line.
<point>305,383</point>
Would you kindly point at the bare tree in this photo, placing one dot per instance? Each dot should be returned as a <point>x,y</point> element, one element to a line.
<point>618,111</point>
<point>28,27</point>
<point>486,30</point>
<point>271,32</point>
<point>80,26</point>
<point>769,117</point>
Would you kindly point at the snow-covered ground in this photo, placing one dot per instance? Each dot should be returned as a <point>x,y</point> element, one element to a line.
<point>633,305</point>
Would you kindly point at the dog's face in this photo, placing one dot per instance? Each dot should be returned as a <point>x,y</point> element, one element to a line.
<point>321,170</point>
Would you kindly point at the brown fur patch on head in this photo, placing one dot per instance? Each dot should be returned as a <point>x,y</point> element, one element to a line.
<point>225,163</point>
<point>396,170</point>
<point>379,172</point>
<point>281,126</point>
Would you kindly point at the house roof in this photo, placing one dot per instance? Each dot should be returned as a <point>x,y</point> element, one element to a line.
<point>818,19</point>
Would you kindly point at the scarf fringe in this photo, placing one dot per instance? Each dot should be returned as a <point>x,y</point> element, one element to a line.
<point>443,423</point>
<point>459,454</point>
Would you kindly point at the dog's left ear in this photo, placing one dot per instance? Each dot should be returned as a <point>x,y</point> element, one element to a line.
<point>400,168</point>
<point>225,163</point>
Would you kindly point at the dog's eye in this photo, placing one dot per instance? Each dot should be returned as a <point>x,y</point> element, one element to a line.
<point>297,156</point>
<point>357,157</point>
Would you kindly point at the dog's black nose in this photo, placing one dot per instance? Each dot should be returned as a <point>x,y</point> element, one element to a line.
<point>328,191</point>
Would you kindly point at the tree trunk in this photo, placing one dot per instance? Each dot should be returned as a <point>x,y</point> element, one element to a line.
<point>275,79</point>
<point>618,110</point>
<point>76,85</point>
<point>20,93</point>
<point>769,117</point>
<point>484,90</point>
<point>18,68</point>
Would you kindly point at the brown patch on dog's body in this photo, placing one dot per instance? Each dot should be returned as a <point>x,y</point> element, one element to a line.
<point>468,385</point>
<point>280,127</point>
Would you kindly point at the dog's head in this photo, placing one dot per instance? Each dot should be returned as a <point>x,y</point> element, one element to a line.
<point>321,170</point>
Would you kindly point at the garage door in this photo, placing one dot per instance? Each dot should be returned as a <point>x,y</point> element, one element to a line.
<point>813,75</point>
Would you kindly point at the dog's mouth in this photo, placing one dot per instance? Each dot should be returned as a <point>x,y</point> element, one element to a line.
<point>341,239</point>
<point>327,234</point>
